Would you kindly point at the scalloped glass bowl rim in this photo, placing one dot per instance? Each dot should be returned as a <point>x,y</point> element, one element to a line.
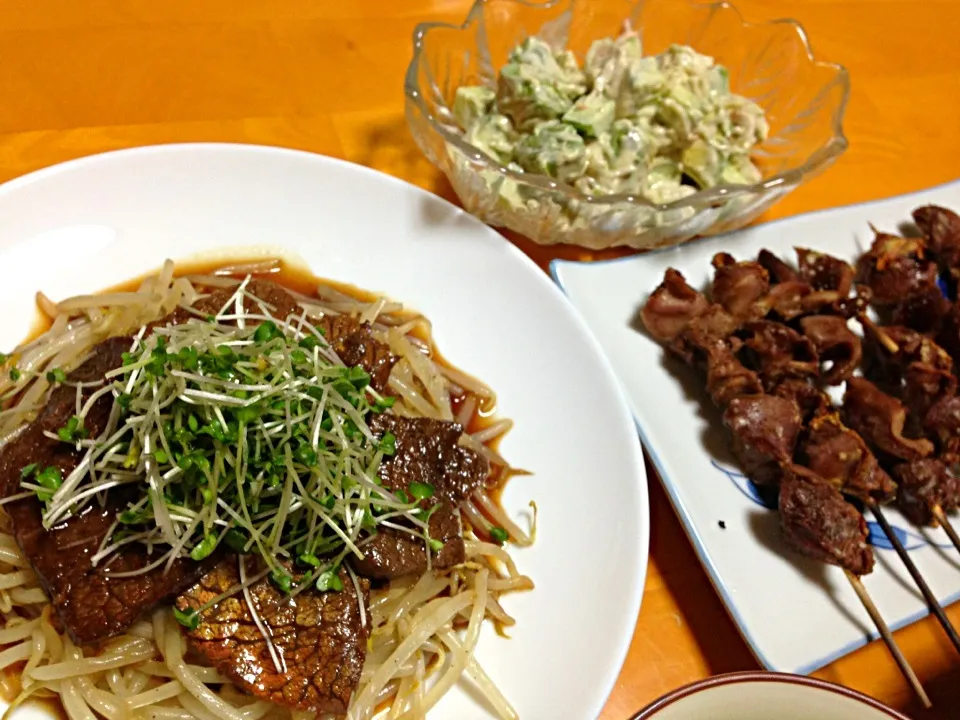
<point>718,194</point>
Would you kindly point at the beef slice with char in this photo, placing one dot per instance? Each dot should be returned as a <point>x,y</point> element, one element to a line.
<point>318,636</point>
<point>92,605</point>
<point>275,300</point>
<point>427,451</point>
<point>355,344</point>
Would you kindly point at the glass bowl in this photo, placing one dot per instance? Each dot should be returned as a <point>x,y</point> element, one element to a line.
<point>771,63</point>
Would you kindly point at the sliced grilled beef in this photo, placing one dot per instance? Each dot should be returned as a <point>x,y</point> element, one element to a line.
<point>92,604</point>
<point>428,451</point>
<point>355,345</point>
<point>318,636</point>
<point>394,553</point>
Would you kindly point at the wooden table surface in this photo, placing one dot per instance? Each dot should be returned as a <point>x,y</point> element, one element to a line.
<point>325,75</point>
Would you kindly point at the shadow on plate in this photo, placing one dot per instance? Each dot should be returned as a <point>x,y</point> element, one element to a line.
<point>894,567</point>
<point>698,603</point>
<point>949,554</point>
<point>766,528</point>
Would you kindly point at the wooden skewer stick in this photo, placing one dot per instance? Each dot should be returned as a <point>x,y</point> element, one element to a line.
<point>893,348</point>
<point>887,636</point>
<point>888,342</point>
<point>928,595</point>
<point>941,517</point>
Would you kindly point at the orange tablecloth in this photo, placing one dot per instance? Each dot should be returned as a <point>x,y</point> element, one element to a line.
<point>325,75</point>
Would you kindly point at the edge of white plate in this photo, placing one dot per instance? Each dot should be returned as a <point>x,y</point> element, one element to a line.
<point>556,272</point>
<point>631,609</point>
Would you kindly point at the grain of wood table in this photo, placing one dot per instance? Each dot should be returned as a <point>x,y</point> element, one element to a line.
<point>325,75</point>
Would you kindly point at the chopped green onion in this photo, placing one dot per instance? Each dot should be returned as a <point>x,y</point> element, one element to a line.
<point>28,470</point>
<point>384,403</point>
<point>388,444</point>
<point>14,374</point>
<point>56,376</point>
<point>50,478</point>
<point>135,517</point>
<point>282,580</point>
<point>72,431</point>
<point>329,581</point>
<point>266,332</point>
<point>204,547</point>
<point>189,618</point>
<point>309,559</point>
<point>307,455</point>
<point>435,545</point>
<point>236,540</point>
<point>358,377</point>
<point>499,535</point>
<point>421,491</point>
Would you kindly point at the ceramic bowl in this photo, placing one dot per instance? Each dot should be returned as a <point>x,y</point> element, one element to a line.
<point>766,696</point>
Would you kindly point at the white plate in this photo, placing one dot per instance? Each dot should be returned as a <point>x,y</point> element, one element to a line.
<point>88,224</point>
<point>796,615</point>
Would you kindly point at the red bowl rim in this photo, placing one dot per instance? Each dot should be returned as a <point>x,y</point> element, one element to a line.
<point>656,706</point>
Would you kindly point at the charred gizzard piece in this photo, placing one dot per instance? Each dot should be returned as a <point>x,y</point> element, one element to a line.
<point>740,286</point>
<point>819,523</point>
<point>940,228</point>
<point>835,344</point>
<point>672,307</point>
<point>840,457</point>
<point>925,485</point>
<point>778,352</point>
<point>880,419</point>
<point>896,268</point>
<point>763,431</point>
